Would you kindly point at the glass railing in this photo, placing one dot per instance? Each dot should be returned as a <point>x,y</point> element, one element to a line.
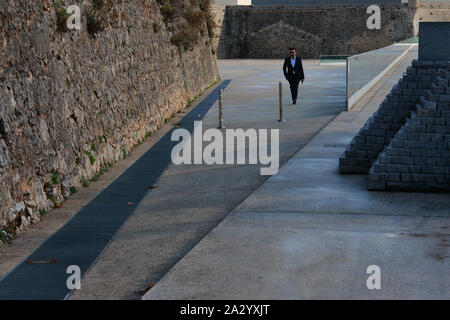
<point>366,69</point>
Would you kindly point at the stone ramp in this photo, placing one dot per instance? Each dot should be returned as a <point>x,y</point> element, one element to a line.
<point>311,233</point>
<point>193,199</point>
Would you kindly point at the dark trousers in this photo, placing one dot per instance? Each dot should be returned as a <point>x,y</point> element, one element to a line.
<point>294,82</point>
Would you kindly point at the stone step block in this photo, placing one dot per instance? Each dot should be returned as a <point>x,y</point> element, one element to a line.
<point>408,181</point>
<point>443,73</point>
<point>411,85</point>
<point>443,106</point>
<point>415,92</point>
<point>421,112</point>
<point>394,119</point>
<point>431,97</point>
<point>352,169</point>
<point>396,152</point>
<point>354,165</point>
<point>437,90</point>
<point>431,153</point>
<point>366,147</point>
<point>412,169</point>
<point>431,64</point>
<point>442,121</point>
<point>426,71</point>
<point>404,84</point>
<point>390,126</point>
<point>402,113</point>
<point>409,186</point>
<point>411,70</point>
<point>443,98</point>
<point>397,105</point>
<point>441,82</point>
<point>427,104</point>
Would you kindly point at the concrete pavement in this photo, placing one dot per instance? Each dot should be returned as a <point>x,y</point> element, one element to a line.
<point>310,233</point>
<point>192,199</point>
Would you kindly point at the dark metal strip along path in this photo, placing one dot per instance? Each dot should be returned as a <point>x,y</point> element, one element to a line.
<point>83,238</point>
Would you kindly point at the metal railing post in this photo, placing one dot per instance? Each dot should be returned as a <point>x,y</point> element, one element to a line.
<point>221,126</point>
<point>280,93</point>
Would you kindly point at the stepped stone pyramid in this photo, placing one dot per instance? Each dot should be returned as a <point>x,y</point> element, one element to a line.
<point>418,157</point>
<point>382,126</point>
<point>405,144</point>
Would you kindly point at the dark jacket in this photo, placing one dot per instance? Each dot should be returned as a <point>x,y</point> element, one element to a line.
<point>298,69</point>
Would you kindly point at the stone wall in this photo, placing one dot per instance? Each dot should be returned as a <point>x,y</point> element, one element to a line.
<point>322,2</point>
<point>219,39</point>
<point>431,12</point>
<point>72,102</point>
<point>341,30</point>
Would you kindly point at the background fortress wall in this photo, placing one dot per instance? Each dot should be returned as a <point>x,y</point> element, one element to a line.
<point>319,2</point>
<point>334,2</point>
<point>431,11</point>
<point>432,1</point>
<point>249,32</point>
<point>256,31</point>
<point>72,103</point>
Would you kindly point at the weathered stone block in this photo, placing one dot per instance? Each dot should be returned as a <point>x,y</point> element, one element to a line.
<point>406,177</point>
<point>376,185</point>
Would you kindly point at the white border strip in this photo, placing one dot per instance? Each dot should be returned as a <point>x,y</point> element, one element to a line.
<point>361,92</point>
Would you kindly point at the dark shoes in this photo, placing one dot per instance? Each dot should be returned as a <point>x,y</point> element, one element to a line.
<point>294,101</point>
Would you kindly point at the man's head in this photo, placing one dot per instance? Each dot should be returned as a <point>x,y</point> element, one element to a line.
<point>293,52</point>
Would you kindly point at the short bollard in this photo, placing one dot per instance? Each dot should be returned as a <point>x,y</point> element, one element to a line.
<point>280,85</point>
<point>221,126</point>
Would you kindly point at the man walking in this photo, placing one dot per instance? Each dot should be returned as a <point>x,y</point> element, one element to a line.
<point>294,73</point>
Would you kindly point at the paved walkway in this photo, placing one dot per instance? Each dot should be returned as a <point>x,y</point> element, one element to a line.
<point>193,199</point>
<point>309,232</point>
